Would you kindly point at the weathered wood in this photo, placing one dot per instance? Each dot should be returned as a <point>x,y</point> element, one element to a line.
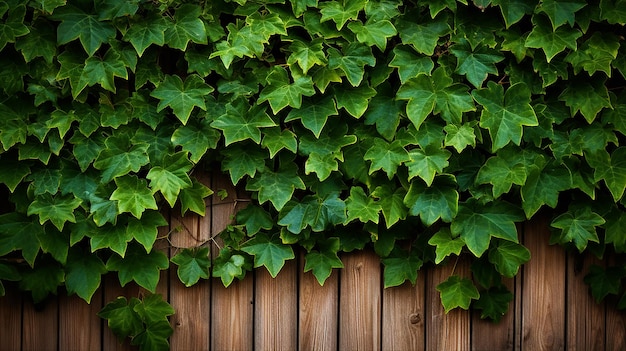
<point>318,311</point>
<point>403,316</point>
<point>40,325</point>
<point>360,302</point>
<point>446,331</point>
<point>11,317</point>
<point>543,292</point>
<point>487,335</point>
<point>585,317</point>
<point>276,309</point>
<point>79,324</point>
<point>615,319</point>
<point>232,315</point>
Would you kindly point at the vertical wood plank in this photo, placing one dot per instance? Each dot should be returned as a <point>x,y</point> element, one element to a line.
<point>403,316</point>
<point>276,309</point>
<point>360,302</point>
<point>487,335</point>
<point>79,324</point>
<point>543,311</point>
<point>318,311</point>
<point>40,328</point>
<point>585,317</point>
<point>446,331</point>
<point>615,319</point>
<point>191,322</point>
<point>232,313</point>
<point>11,315</point>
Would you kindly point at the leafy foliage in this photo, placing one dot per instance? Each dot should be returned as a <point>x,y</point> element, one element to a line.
<point>423,129</point>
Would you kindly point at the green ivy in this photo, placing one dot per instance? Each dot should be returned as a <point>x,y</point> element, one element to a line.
<point>424,129</point>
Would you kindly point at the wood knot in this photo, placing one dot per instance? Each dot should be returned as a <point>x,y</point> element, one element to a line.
<point>415,318</point>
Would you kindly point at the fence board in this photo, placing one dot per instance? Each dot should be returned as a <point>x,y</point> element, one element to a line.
<point>318,311</point>
<point>446,331</point>
<point>40,329</point>
<point>490,336</point>
<point>276,309</point>
<point>543,323</point>
<point>79,325</point>
<point>585,317</point>
<point>403,317</point>
<point>360,302</point>
<point>615,320</point>
<point>11,315</point>
<point>232,315</point>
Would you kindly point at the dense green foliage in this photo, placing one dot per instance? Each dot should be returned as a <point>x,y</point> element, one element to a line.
<point>426,129</point>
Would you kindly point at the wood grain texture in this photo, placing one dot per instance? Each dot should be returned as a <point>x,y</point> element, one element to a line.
<point>490,336</point>
<point>446,331</point>
<point>79,324</point>
<point>403,326</point>
<point>360,302</point>
<point>543,308</point>
<point>585,317</point>
<point>232,315</point>
<point>276,309</point>
<point>318,311</point>
<point>615,319</point>
<point>40,325</point>
<point>11,314</point>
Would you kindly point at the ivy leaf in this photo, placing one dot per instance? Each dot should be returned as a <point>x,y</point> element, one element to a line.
<point>426,163</point>
<point>122,318</point>
<point>133,196</point>
<point>196,137</point>
<point>255,218</point>
<point>280,93</point>
<point>551,41</point>
<point>494,303</point>
<point>341,12</point>
<point>323,260</point>
<point>385,112</point>
<point>461,136</point>
<point>13,26</point>
<point>275,139</point>
<point>145,230</point>
<point>56,209</point>
<point>146,31</point>
<point>477,223</point>
<point>434,202</point>
<point>241,122</point>
<point>186,27</point>
<point>193,264</point>
<point>43,280</point>
<point>578,227</point>
<point>595,54</point>
<point>476,64</point>
<point>543,186</point>
<point>76,24</point>
<point>561,12</point>
<point>154,336</point>
<point>386,156</point>
<point>613,171</point>
<point>409,64</point>
<point>354,100</point>
<point>514,10</point>
<point>153,309</point>
<point>362,207</point>
<point>445,244</point>
<point>83,274</point>
<point>604,281</point>
<point>373,32</point>
<point>505,114</point>
<point>268,251</point>
<point>277,187</point>
<point>13,173</point>
<point>228,266</point>
<point>502,174</point>
<point>508,256</point>
<point>193,198</point>
<point>392,203</point>
<point>457,292</point>
<point>181,96</point>
<point>424,35</point>
<point>400,266</point>
<point>319,212</point>
<point>351,60</point>
<point>18,232</point>
<point>13,127</point>
<point>139,266</point>
<point>171,178</point>
<point>104,70</point>
<point>41,42</point>
<point>314,114</point>
<point>113,237</point>
<point>306,55</point>
<point>587,95</point>
<point>120,157</point>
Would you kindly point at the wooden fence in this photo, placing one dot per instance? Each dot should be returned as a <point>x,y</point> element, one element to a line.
<point>552,308</point>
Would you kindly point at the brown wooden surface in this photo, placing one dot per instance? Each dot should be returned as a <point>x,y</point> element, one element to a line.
<point>318,315</point>
<point>40,328</point>
<point>79,325</point>
<point>403,309</point>
<point>360,302</point>
<point>232,315</point>
<point>487,335</point>
<point>11,317</point>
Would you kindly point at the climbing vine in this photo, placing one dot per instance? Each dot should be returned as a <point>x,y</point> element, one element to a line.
<point>423,129</point>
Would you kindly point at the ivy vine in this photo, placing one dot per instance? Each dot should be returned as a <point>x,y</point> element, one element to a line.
<point>424,129</point>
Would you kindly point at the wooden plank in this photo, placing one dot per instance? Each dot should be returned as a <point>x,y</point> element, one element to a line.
<point>446,331</point>
<point>79,325</point>
<point>11,315</point>
<point>318,311</point>
<point>40,325</point>
<point>276,309</point>
<point>232,315</point>
<point>543,308</point>
<point>403,316</point>
<point>191,322</point>
<point>615,319</point>
<point>585,317</point>
<point>360,302</point>
<point>487,335</point>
